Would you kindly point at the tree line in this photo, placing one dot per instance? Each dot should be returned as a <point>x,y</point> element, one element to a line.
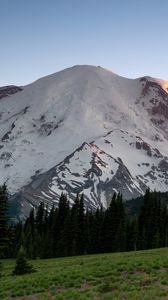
<point>68,230</point>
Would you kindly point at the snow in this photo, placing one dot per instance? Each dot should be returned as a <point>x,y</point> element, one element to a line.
<point>53,116</point>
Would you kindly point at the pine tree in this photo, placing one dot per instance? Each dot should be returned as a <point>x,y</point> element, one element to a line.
<point>22,266</point>
<point>164,227</point>
<point>81,238</point>
<point>75,229</point>
<point>29,235</point>
<point>142,221</point>
<point>149,221</point>
<point>78,226</point>
<point>110,226</point>
<point>89,227</point>
<point>132,235</point>
<point>115,226</point>
<point>4,228</point>
<point>39,220</point>
<point>48,234</point>
<point>54,232</point>
<point>62,212</point>
<point>17,239</point>
<point>96,231</point>
<point>120,234</point>
<point>39,225</point>
<point>65,242</point>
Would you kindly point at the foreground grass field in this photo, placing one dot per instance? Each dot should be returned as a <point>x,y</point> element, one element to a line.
<point>139,275</point>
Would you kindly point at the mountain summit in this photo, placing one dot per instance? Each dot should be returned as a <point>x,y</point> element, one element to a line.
<point>84,129</point>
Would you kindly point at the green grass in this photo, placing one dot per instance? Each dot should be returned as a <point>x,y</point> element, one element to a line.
<point>120,276</point>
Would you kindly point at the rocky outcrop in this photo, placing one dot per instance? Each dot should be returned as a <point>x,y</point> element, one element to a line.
<point>9,90</point>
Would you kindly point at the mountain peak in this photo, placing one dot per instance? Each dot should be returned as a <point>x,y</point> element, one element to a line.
<point>89,68</point>
<point>55,130</point>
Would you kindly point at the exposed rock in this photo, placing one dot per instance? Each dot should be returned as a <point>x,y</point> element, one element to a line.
<point>163,165</point>
<point>9,90</point>
<point>138,145</point>
<point>161,109</point>
<point>6,155</point>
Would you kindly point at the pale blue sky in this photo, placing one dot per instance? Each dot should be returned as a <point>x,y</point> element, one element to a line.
<point>40,37</point>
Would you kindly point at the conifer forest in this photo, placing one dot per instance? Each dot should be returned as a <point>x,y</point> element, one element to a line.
<point>73,230</point>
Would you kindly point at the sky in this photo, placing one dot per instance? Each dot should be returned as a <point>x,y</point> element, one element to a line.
<point>40,37</point>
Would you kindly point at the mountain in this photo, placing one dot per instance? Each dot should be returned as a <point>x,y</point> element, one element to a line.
<point>84,129</point>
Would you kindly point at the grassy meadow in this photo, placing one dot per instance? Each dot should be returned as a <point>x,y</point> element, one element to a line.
<point>141,275</point>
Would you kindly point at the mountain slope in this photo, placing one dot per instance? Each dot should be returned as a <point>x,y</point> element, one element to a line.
<point>73,116</point>
<point>97,169</point>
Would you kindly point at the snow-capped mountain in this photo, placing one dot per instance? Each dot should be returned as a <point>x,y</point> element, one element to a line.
<point>84,129</point>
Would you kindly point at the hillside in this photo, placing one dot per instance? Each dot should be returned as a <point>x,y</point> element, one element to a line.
<point>134,275</point>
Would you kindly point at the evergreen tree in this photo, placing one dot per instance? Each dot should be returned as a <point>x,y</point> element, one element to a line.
<point>110,226</point>
<point>164,227</point>
<point>39,220</point>
<point>78,226</point>
<point>66,238</point>
<point>4,228</point>
<point>132,234</point>
<point>143,220</point>
<point>22,266</point>
<point>18,237</point>
<point>49,234</point>
<point>81,221</point>
<point>89,227</point>
<point>66,230</point>
<point>95,234</point>
<point>149,221</point>
<point>39,225</point>
<point>29,235</point>
<point>120,234</point>
<point>54,232</point>
<point>115,225</point>
<point>62,212</point>
<point>75,229</point>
